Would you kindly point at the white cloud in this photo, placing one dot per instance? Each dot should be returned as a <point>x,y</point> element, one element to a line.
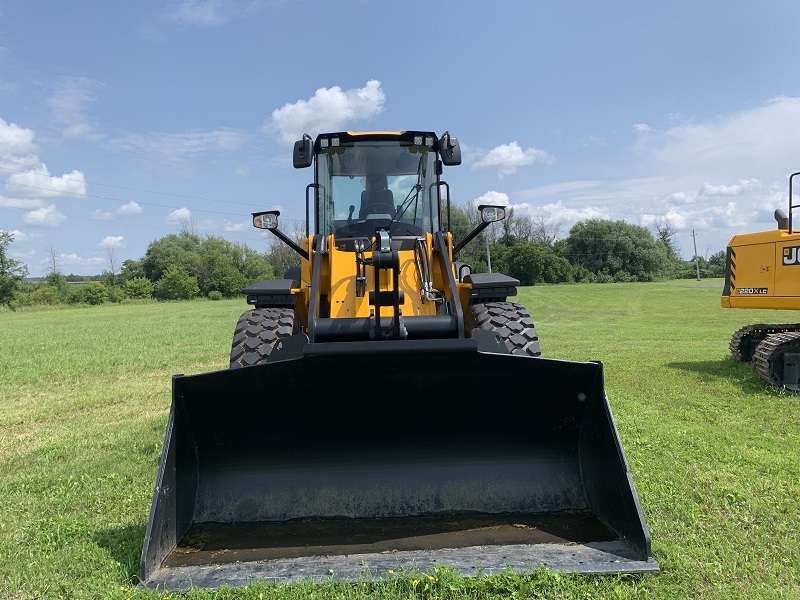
<point>112,241</point>
<point>231,227</point>
<point>21,236</point>
<point>211,13</point>
<point>568,215</point>
<point>735,189</point>
<point>26,204</point>
<point>507,158</point>
<point>130,208</point>
<point>102,215</point>
<point>70,99</point>
<point>75,260</point>
<point>758,140</point>
<point>180,216</point>
<point>180,147</point>
<point>77,130</point>
<point>23,255</point>
<point>207,224</point>
<point>673,217</point>
<point>126,210</point>
<point>15,140</point>
<point>492,198</point>
<point>681,198</point>
<point>40,183</point>
<point>47,216</point>
<point>329,109</point>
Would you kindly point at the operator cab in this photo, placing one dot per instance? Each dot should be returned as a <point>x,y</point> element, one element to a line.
<point>370,181</point>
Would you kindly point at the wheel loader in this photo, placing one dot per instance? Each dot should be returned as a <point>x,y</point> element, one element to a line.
<point>386,407</point>
<point>763,271</point>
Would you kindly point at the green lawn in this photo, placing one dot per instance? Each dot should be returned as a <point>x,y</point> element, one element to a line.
<point>715,453</point>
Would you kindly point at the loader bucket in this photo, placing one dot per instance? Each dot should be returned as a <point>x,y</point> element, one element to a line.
<point>354,459</point>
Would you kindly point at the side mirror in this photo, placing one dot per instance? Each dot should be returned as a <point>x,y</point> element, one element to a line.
<point>269,220</point>
<point>303,154</point>
<point>266,220</point>
<point>491,214</point>
<point>449,150</point>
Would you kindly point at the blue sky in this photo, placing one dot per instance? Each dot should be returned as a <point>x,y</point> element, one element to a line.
<point>121,121</point>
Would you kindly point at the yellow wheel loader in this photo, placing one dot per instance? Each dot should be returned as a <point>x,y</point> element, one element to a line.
<point>763,271</point>
<point>386,407</point>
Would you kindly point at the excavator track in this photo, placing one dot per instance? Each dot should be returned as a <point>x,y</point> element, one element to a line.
<point>777,360</point>
<point>744,342</point>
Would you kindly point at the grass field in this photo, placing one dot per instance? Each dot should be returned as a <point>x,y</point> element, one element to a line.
<point>715,453</point>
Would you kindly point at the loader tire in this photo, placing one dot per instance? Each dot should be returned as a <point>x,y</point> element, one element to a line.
<point>257,333</point>
<point>511,322</point>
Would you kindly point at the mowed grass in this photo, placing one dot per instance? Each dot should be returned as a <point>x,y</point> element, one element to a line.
<point>715,453</point>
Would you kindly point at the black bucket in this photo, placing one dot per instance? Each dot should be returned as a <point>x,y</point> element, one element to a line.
<point>357,458</point>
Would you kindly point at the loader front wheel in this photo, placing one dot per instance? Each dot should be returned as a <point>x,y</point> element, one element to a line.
<point>258,332</point>
<point>510,321</point>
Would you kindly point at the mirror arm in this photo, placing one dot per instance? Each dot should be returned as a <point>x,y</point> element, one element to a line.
<point>289,242</point>
<point>483,225</point>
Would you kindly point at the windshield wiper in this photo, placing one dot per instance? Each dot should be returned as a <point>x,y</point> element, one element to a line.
<point>413,195</point>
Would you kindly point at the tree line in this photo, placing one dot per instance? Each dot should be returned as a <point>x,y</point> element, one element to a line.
<point>184,265</point>
<point>531,249</point>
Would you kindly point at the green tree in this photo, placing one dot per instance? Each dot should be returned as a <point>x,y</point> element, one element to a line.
<point>132,269</point>
<point>176,284</point>
<point>181,249</point>
<point>615,251</point>
<point>227,267</point>
<point>12,272</point>
<point>216,263</point>
<point>57,281</point>
<point>256,266</point>
<point>217,273</point>
<point>716,264</point>
<point>530,262</point>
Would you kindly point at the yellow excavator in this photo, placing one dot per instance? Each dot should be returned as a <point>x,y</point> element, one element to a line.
<point>763,271</point>
<point>386,407</point>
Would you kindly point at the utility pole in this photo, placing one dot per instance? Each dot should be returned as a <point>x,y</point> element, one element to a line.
<point>696,258</point>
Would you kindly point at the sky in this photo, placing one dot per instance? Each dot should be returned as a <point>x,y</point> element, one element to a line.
<point>122,122</point>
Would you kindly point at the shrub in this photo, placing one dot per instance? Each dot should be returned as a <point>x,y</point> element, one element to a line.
<point>115,294</point>
<point>94,293</point>
<point>176,284</point>
<point>138,287</point>
<point>215,295</point>
<point>19,299</point>
<point>46,294</point>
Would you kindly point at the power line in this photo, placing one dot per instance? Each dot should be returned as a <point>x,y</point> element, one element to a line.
<point>98,197</point>
<point>128,224</point>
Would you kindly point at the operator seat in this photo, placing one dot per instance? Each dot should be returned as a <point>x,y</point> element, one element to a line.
<point>376,198</point>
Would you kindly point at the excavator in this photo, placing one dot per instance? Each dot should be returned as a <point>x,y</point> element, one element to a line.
<point>386,408</point>
<point>763,271</point>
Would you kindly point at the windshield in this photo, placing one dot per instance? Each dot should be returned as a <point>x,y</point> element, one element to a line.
<point>364,185</point>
